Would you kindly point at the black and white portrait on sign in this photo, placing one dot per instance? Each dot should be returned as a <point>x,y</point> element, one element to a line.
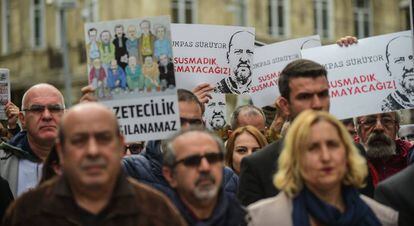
<point>215,112</point>
<point>240,58</point>
<point>400,66</point>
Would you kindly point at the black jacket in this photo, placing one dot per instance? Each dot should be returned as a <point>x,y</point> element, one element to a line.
<point>397,192</point>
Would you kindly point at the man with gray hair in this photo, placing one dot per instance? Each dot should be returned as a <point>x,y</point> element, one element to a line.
<point>193,166</point>
<point>21,158</point>
<point>386,154</point>
<point>248,115</point>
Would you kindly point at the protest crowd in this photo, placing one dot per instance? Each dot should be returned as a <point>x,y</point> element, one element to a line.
<point>297,166</point>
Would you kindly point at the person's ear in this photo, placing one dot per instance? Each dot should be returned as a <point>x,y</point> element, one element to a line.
<point>168,174</point>
<point>21,117</point>
<point>284,105</point>
<point>229,132</point>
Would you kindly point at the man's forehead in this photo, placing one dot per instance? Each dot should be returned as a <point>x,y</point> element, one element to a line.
<point>43,96</point>
<point>305,84</point>
<point>381,115</point>
<point>195,142</point>
<point>189,109</point>
<point>81,120</point>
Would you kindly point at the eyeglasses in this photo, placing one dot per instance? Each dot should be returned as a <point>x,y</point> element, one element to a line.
<point>195,160</point>
<point>195,121</point>
<point>134,148</point>
<point>39,109</point>
<point>371,122</point>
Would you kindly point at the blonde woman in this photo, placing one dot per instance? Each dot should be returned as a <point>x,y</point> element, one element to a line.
<point>319,173</point>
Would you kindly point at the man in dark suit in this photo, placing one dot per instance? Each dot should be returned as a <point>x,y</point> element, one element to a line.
<point>303,84</point>
<point>397,192</point>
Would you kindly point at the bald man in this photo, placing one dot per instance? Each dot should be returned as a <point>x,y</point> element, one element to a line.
<point>92,189</point>
<point>21,158</point>
<point>400,66</point>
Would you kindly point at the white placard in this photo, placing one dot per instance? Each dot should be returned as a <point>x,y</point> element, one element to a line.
<point>219,55</point>
<point>375,75</point>
<point>130,66</point>
<point>269,61</point>
<point>4,91</point>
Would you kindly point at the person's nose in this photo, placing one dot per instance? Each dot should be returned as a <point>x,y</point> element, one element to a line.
<point>204,165</point>
<point>46,114</point>
<point>325,154</point>
<point>316,103</point>
<point>378,127</point>
<point>244,57</point>
<point>92,149</point>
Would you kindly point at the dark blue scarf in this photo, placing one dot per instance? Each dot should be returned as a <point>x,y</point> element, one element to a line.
<point>306,204</point>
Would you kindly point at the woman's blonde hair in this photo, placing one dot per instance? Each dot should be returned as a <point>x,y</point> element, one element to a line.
<point>260,138</point>
<point>289,178</point>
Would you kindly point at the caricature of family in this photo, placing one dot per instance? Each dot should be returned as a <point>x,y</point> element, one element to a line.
<point>129,62</point>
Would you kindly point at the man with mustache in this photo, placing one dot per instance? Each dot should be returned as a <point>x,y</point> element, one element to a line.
<point>93,190</point>
<point>386,154</point>
<point>240,58</point>
<point>193,166</point>
<point>21,158</point>
<point>401,68</point>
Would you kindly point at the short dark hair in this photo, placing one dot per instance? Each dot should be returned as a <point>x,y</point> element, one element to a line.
<point>296,69</point>
<point>187,96</point>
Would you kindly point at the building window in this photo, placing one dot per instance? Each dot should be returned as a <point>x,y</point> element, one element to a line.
<point>37,23</point>
<point>362,18</point>
<point>5,26</point>
<point>278,17</point>
<point>322,15</point>
<point>241,12</point>
<point>183,11</point>
<point>90,11</point>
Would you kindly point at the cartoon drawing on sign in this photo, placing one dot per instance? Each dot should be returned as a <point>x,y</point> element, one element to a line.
<point>107,49</point>
<point>239,57</point>
<point>116,77</point>
<point>92,48</point>
<point>97,78</point>
<point>132,41</point>
<point>121,53</point>
<point>151,74</point>
<point>216,118</point>
<point>166,68</point>
<point>146,40</point>
<point>133,75</point>
<point>400,67</point>
<point>162,45</point>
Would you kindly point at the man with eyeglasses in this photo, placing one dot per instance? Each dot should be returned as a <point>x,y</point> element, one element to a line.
<point>92,189</point>
<point>386,154</point>
<point>193,166</point>
<point>21,158</point>
<point>147,166</point>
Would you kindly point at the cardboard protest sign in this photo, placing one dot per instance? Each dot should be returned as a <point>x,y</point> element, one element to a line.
<point>219,55</point>
<point>269,61</point>
<point>130,66</point>
<point>4,91</point>
<point>375,75</point>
